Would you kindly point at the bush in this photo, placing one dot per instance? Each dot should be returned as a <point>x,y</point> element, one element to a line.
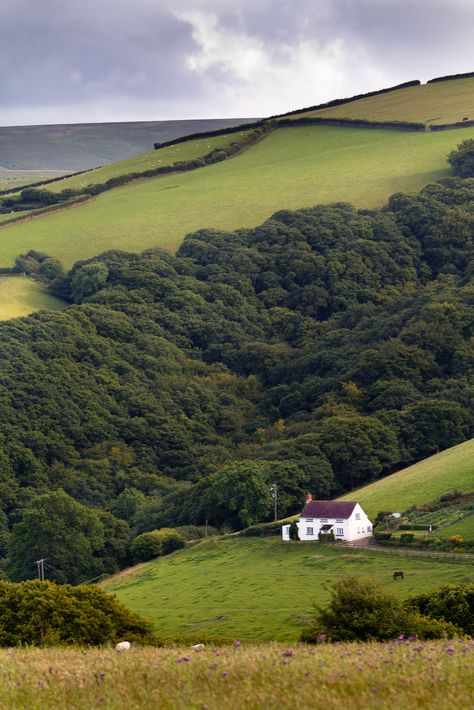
<point>361,610</point>
<point>406,538</point>
<point>46,614</point>
<point>153,544</point>
<point>455,540</point>
<point>462,159</point>
<point>381,536</point>
<point>453,603</point>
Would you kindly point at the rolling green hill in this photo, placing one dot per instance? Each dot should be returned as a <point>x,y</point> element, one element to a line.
<point>433,104</point>
<point>146,161</point>
<point>261,589</point>
<point>290,168</point>
<point>423,482</point>
<point>72,147</point>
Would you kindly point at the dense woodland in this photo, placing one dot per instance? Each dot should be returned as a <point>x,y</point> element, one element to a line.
<point>321,350</point>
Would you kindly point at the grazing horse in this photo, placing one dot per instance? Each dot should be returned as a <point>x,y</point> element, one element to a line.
<point>398,575</point>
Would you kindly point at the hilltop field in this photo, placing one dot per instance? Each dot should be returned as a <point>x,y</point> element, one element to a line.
<point>289,169</point>
<point>434,104</point>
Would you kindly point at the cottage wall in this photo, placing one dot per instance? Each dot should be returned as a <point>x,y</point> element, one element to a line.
<point>356,527</point>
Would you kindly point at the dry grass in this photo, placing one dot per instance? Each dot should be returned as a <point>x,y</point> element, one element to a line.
<point>433,104</point>
<point>408,674</point>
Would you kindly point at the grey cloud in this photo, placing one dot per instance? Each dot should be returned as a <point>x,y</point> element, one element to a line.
<point>132,56</point>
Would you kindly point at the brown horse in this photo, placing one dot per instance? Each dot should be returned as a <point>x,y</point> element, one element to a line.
<point>398,575</point>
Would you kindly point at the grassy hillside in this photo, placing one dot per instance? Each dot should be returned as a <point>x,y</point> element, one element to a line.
<point>146,161</point>
<point>433,104</point>
<point>20,296</point>
<point>261,589</point>
<point>272,676</point>
<point>290,168</point>
<point>86,145</point>
<point>425,481</point>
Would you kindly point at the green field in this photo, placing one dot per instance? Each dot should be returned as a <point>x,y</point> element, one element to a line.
<point>291,168</point>
<point>464,527</point>
<point>264,677</point>
<point>433,104</point>
<point>20,296</point>
<point>423,482</point>
<point>262,589</point>
<point>147,161</point>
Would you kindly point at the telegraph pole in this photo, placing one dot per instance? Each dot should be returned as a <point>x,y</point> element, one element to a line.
<point>274,495</point>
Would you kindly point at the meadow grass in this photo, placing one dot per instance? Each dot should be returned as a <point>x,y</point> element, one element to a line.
<point>20,296</point>
<point>291,168</point>
<point>408,674</point>
<point>420,483</point>
<point>261,589</point>
<point>434,104</point>
<point>147,161</point>
<point>464,527</point>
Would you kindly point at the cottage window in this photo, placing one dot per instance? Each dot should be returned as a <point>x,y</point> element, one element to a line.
<point>358,531</point>
<point>340,520</point>
<point>324,520</point>
<point>309,520</point>
<point>369,528</point>
<point>339,531</point>
<point>357,516</point>
<point>309,531</point>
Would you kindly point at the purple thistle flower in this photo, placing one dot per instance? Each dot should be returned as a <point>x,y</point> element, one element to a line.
<point>225,673</point>
<point>288,652</point>
<point>237,644</point>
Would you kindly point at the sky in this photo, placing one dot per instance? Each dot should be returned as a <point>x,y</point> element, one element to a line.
<point>78,61</point>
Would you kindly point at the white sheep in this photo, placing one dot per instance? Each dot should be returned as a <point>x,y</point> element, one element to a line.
<point>123,646</point>
<point>198,646</point>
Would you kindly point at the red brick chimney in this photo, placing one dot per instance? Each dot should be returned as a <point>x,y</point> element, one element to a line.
<point>309,497</point>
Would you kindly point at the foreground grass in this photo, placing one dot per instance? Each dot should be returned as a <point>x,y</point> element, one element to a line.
<point>434,104</point>
<point>291,168</point>
<point>423,482</point>
<point>20,296</point>
<point>263,589</point>
<point>398,674</point>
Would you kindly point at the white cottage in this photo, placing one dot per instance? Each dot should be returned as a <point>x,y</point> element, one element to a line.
<point>347,521</point>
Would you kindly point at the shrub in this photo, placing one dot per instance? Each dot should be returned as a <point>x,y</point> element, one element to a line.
<point>45,614</point>
<point>361,610</point>
<point>381,536</point>
<point>294,531</point>
<point>406,538</point>
<point>453,603</point>
<point>153,544</point>
<point>462,159</point>
<point>455,540</point>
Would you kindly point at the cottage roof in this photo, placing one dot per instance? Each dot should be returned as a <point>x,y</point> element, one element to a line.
<point>328,509</point>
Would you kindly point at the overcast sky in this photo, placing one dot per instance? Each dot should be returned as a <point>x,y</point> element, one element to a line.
<point>71,61</point>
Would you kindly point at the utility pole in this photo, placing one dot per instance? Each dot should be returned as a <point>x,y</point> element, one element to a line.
<point>274,495</point>
<point>40,565</point>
